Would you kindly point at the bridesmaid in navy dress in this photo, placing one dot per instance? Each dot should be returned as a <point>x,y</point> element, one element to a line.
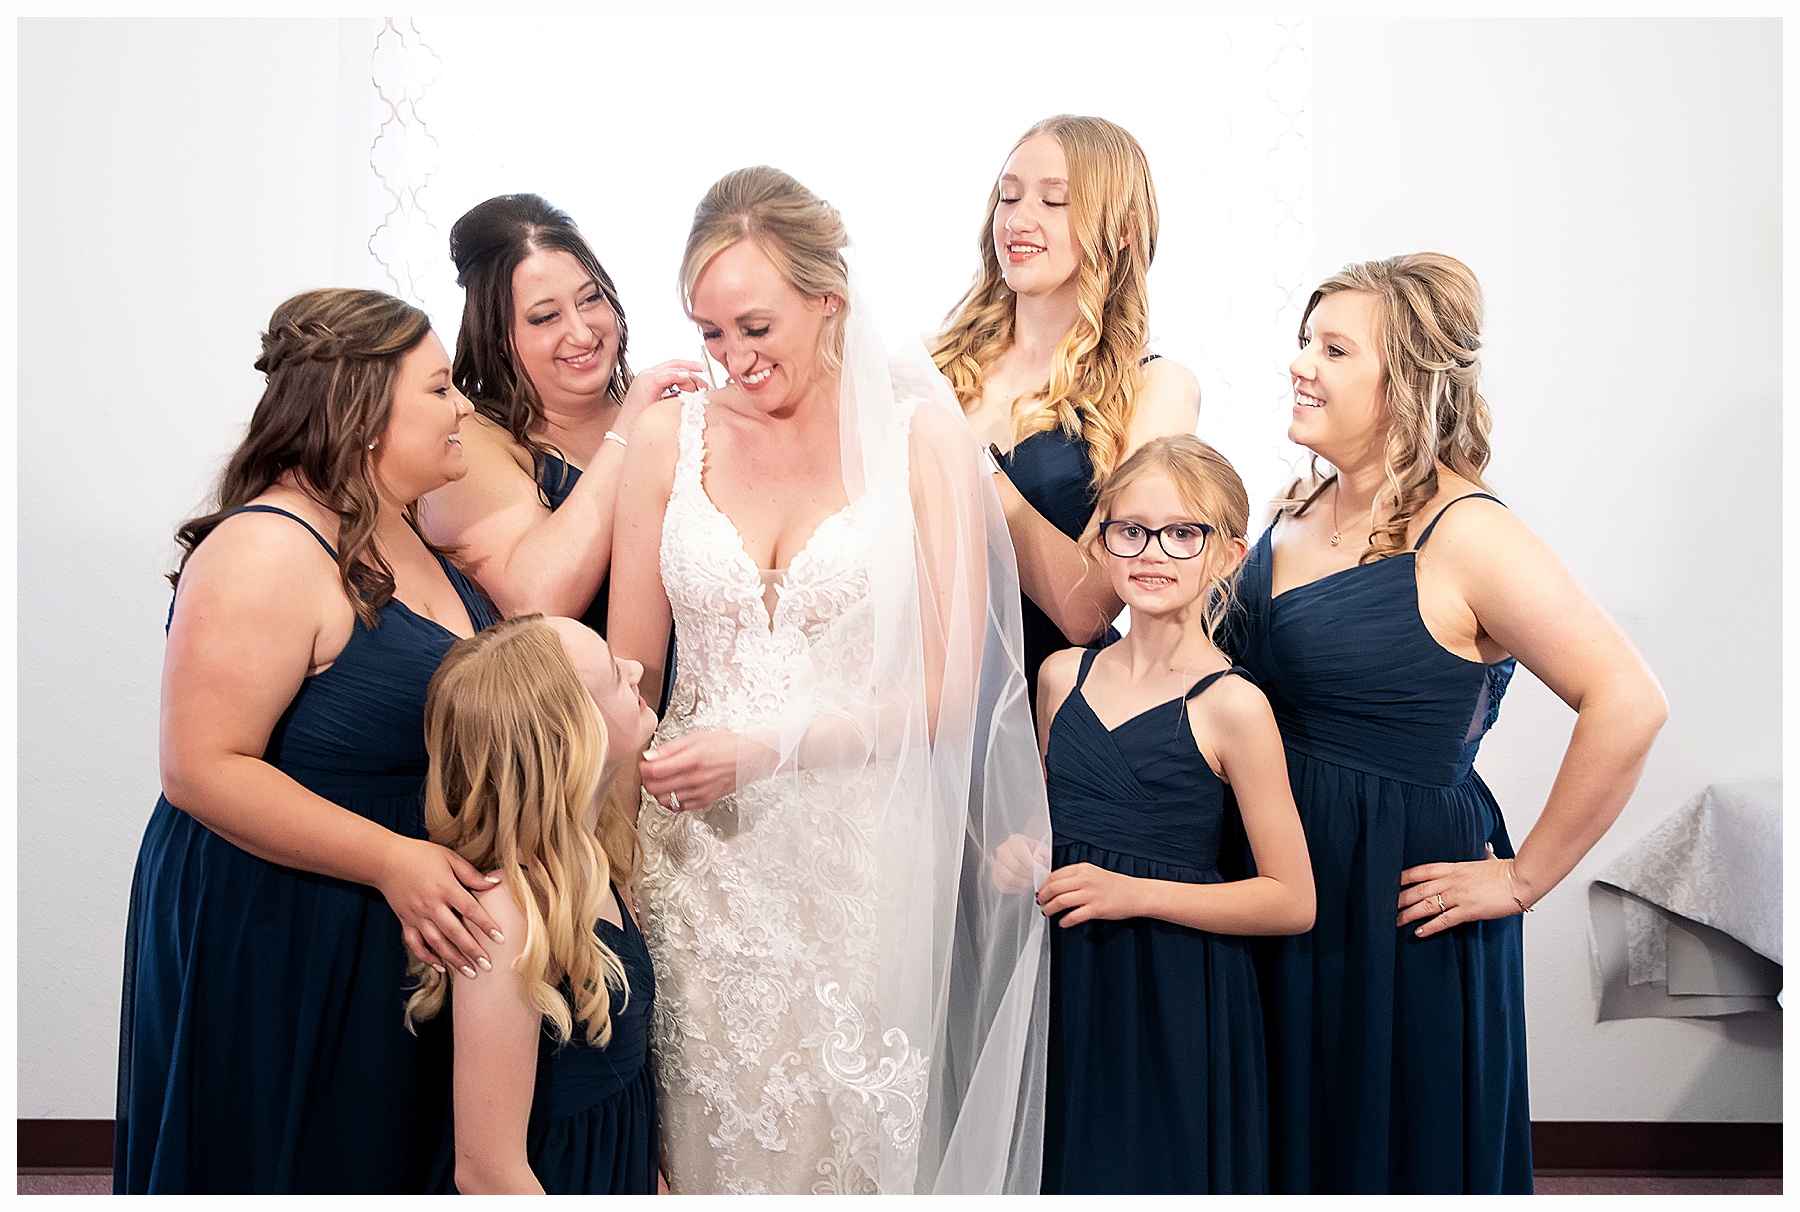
<point>262,1045</point>
<point>541,353</point>
<point>553,1090</point>
<point>1064,400</point>
<point>1382,613</point>
<point>1153,747</point>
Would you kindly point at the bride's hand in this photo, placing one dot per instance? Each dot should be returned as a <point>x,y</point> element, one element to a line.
<point>1020,863</point>
<point>692,772</point>
<point>652,385</point>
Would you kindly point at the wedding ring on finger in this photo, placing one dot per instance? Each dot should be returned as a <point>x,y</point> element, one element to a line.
<point>1441,906</point>
<point>675,805</point>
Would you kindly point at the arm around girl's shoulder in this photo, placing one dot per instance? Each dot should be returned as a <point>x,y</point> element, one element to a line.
<point>494,1074</point>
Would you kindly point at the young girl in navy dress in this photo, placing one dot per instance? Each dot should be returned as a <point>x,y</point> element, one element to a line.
<point>1152,747</point>
<point>534,730</point>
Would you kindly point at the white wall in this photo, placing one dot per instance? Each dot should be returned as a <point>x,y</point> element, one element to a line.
<point>177,179</point>
<point>1616,185</point>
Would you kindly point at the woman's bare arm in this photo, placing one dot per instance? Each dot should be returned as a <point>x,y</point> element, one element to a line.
<point>638,618</point>
<point>1052,571</point>
<point>494,1069</point>
<point>261,605</point>
<point>1529,604</point>
<point>528,557</point>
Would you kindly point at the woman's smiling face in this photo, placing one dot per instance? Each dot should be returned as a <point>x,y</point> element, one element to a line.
<point>565,336</point>
<point>1034,229</point>
<point>1339,391</point>
<point>766,334</point>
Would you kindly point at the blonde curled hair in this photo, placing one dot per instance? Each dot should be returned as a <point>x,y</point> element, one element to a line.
<point>517,756</point>
<point>1210,486</point>
<point>801,233</point>
<point>1429,320</point>
<point>1094,372</point>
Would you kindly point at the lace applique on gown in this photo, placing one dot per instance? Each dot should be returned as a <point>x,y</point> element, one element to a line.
<point>760,912</point>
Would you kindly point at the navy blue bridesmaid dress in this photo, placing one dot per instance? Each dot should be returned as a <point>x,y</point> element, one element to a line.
<point>262,1044</point>
<point>593,1111</point>
<point>1052,471</point>
<point>558,479</point>
<point>1396,1064</point>
<point>1155,1080</point>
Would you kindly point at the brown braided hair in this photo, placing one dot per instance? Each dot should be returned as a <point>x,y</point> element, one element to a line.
<point>1430,311</point>
<point>332,357</point>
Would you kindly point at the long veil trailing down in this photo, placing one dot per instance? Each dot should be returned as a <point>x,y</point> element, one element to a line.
<point>951,1059</point>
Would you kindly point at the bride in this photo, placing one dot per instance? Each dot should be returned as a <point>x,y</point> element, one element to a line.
<point>849,996</point>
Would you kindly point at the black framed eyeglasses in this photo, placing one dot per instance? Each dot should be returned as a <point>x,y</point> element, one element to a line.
<point>1179,540</point>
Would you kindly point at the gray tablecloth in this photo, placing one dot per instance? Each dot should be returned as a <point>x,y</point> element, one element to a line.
<point>1687,922</point>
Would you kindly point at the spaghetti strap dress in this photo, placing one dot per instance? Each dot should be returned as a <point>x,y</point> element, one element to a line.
<point>262,1046</point>
<point>592,1129</point>
<point>1155,1079</point>
<point>1396,1063</point>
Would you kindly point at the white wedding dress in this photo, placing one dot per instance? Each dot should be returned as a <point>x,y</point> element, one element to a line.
<point>761,912</point>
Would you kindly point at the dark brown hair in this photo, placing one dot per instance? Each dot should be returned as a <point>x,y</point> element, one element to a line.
<point>331,357</point>
<point>487,244</point>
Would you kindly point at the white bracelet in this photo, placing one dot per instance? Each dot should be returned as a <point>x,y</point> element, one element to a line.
<point>613,437</point>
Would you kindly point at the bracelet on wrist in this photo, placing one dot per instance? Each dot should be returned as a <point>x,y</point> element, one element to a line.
<point>613,437</point>
<point>1513,887</point>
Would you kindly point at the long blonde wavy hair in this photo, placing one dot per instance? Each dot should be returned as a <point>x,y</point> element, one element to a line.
<point>1094,373</point>
<point>518,754</point>
<point>1429,317</point>
<point>1210,486</point>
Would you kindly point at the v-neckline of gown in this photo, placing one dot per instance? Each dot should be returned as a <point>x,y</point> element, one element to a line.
<point>1268,539</point>
<point>742,550</point>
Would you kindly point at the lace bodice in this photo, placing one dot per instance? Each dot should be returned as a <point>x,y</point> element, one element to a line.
<point>740,663</point>
<point>760,912</point>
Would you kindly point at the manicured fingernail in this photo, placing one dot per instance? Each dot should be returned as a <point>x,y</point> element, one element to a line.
<point>649,755</point>
<point>493,879</point>
<point>440,969</point>
<point>484,965</point>
<point>468,972</point>
<point>497,936</point>
<point>1420,932</point>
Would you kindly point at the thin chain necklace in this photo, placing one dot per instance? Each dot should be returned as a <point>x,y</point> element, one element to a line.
<point>1337,490</point>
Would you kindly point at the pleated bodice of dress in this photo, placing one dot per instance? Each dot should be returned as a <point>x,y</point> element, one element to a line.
<point>1356,679</point>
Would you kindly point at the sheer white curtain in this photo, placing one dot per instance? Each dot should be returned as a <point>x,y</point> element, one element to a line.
<point>623,118</point>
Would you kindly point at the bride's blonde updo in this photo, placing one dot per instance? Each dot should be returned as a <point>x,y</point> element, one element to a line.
<point>796,229</point>
<point>1429,316</point>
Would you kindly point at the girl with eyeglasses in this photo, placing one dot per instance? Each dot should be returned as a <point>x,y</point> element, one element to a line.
<point>1154,748</point>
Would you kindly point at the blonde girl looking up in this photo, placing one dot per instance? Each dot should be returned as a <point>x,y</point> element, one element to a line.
<point>534,730</point>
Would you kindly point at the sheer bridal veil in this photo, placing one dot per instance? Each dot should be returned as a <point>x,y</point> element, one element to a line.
<point>940,725</point>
